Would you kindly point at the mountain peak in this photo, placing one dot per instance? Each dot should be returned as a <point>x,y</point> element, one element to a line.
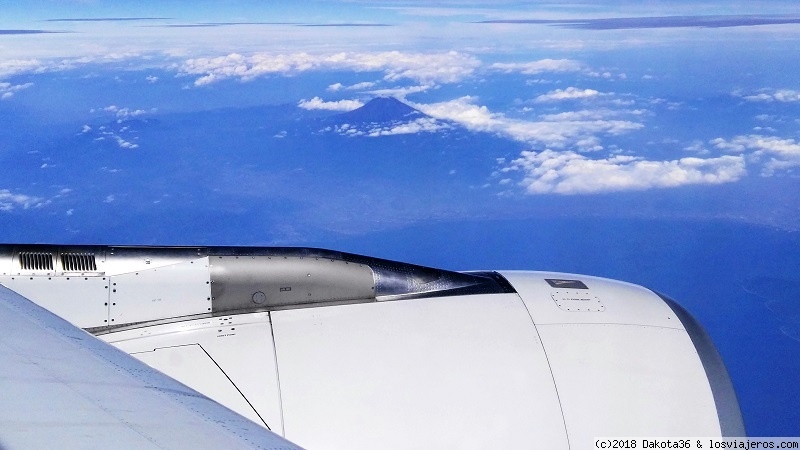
<point>381,110</point>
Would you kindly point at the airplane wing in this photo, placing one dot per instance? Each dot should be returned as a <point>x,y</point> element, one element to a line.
<point>61,387</point>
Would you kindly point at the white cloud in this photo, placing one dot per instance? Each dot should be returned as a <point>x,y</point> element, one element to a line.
<point>541,66</point>
<point>589,144</point>
<point>563,134</point>
<point>697,147</point>
<point>427,68</point>
<point>560,132</point>
<point>10,67</point>
<point>355,87</point>
<point>9,201</point>
<point>464,111</point>
<point>769,144</point>
<point>125,144</point>
<point>568,172</point>
<point>769,95</point>
<point>400,92</point>
<point>361,86</point>
<point>7,90</point>
<point>593,114</point>
<point>782,154</point>
<point>570,93</point>
<point>70,212</point>
<point>421,125</point>
<point>109,199</point>
<point>606,75</point>
<point>16,66</point>
<point>575,115</point>
<point>445,11</point>
<point>151,78</point>
<point>769,129</point>
<point>107,132</point>
<point>127,113</point>
<point>341,105</point>
<point>759,98</point>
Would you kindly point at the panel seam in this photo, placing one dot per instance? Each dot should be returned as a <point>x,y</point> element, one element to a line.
<point>277,374</point>
<point>223,372</point>
<point>550,368</point>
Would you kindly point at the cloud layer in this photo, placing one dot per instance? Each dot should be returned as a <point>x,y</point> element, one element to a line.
<point>550,122</point>
<point>10,201</point>
<point>775,153</point>
<point>622,23</point>
<point>570,93</point>
<point>421,125</point>
<point>541,66</point>
<point>341,105</point>
<point>770,95</point>
<point>423,68</point>
<point>568,172</point>
<point>555,131</point>
<point>7,90</point>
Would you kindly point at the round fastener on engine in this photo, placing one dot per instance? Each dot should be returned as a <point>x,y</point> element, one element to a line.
<point>259,298</point>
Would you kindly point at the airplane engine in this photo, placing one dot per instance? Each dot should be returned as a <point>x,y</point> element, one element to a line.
<point>335,350</point>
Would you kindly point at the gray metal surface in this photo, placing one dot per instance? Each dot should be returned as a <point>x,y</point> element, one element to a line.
<point>267,282</point>
<point>137,286</point>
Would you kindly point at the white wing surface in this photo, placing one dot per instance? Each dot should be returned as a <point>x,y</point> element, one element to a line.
<point>61,387</point>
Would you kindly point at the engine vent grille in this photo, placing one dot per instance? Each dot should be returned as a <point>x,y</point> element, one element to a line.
<point>78,262</point>
<point>36,260</point>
